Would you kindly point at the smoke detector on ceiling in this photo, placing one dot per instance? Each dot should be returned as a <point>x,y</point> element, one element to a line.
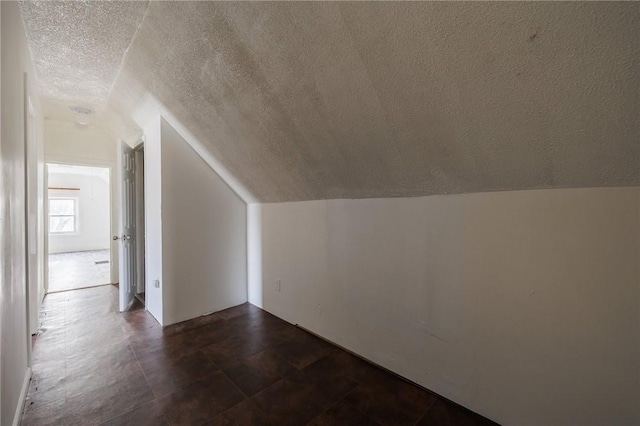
<point>83,114</point>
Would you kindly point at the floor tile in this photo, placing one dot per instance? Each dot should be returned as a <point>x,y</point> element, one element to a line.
<point>200,401</point>
<point>243,366</point>
<point>324,373</point>
<point>303,350</point>
<point>390,400</point>
<point>243,414</point>
<point>445,413</point>
<point>166,373</point>
<point>88,377</point>
<point>233,349</point>
<point>236,311</point>
<point>342,414</point>
<point>47,382</point>
<point>57,413</point>
<point>150,413</point>
<point>274,333</point>
<point>176,345</point>
<point>210,334</point>
<point>350,366</point>
<point>259,371</point>
<point>101,404</point>
<point>291,401</point>
<point>197,322</point>
<point>138,321</point>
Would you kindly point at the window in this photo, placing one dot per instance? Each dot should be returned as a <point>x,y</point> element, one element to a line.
<point>62,215</point>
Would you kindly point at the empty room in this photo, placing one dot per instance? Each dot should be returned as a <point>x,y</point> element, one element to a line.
<point>79,227</point>
<point>319,213</point>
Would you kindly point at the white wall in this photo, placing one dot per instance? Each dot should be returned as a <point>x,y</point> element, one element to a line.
<point>522,306</point>
<point>35,208</point>
<point>93,222</point>
<point>15,345</point>
<point>153,218</point>
<point>204,235</point>
<point>70,143</point>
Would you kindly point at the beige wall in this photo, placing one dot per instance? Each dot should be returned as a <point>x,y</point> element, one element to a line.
<point>522,306</point>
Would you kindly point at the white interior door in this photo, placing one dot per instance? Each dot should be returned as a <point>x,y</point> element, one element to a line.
<point>127,235</point>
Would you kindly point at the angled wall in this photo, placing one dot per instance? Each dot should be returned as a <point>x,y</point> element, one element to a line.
<point>204,239</point>
<point>522,305</point>
<point>195,229</point>
<point>153,217</point>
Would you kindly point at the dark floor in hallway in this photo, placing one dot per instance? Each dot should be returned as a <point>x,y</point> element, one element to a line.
<point>241,366</point>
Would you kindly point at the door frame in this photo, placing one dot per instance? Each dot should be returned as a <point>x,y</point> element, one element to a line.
<point>113,209</point>
<point>32,144</point>
<point>140,217</point>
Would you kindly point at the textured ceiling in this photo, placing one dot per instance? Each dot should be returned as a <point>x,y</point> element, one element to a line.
<point>78,46</point>
<point>349,100</point>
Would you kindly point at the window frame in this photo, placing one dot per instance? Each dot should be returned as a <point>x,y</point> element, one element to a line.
<point>74,216</point>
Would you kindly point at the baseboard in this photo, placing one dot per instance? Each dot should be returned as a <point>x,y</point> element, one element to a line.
<point>23,396</point>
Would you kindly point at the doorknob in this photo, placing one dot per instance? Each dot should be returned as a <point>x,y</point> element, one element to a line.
<point>124,237</point>
<point>116,238</point>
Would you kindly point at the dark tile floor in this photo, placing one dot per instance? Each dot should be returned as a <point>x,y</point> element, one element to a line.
<point>241,366</point>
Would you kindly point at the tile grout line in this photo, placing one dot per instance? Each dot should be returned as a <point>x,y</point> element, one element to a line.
<point>262,390</point>
<point>324,411</point>
<point>139,366</point>
<point>155,397</point>
<point>353,406</point>
<point>236,386</point>
<point>266,349</point>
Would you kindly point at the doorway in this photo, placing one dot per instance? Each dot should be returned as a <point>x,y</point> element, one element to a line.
<point>132,226</point>
<point>139,214</point>
<point>79,225</point>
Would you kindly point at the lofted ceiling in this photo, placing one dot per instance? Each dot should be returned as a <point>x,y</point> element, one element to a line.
<point>304,101</point>
<point>78,47</point>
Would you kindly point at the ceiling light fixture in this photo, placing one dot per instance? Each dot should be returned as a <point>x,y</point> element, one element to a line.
<point>83,114</point>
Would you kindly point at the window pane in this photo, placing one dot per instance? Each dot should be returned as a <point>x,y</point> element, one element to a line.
<point>61,224</point>
<point>62,207</point>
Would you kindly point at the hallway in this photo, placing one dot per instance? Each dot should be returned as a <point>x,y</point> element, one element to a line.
<point>239,366</point>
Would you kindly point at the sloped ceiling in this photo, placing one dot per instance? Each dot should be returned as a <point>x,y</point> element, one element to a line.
<point>78,47</point>
<point>349,100</point>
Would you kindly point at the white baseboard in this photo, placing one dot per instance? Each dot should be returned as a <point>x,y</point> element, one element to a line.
<point>23,397</point>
